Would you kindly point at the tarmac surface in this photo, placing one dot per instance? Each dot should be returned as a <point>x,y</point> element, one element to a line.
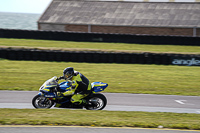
<point>117,102</point>
<point>45,129</point>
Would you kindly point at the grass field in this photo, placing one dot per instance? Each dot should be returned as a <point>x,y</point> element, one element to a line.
<point>123,78</point>
<point>64,45</point>
<point>126,78</point>
<point>66,117</point>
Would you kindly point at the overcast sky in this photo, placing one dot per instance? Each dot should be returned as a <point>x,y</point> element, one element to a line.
<point>24,6</point>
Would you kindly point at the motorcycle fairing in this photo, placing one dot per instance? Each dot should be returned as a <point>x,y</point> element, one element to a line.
<point>64,86</point>
<point>99,86</point>
<point>49,95</point>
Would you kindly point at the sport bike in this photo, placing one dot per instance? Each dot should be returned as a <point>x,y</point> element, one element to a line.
<point>48,96</point>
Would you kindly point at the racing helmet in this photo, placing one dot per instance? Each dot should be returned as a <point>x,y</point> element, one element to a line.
<point>68,73</point>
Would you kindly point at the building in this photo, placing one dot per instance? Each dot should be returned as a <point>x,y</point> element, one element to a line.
<point>123,17</point>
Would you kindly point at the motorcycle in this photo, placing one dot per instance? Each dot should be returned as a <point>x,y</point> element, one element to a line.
<point>48,96</point>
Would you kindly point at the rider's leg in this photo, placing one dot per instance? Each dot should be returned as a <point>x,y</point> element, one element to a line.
<point>78,98</point>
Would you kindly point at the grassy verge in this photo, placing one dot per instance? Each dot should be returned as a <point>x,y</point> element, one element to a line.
<point>63,45</point>
<point>122,78</point>
<point>98,118</point>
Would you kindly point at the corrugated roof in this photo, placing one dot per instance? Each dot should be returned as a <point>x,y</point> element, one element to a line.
<point>122,13</point>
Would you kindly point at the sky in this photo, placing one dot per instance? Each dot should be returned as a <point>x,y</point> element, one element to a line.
<point>24,6</point>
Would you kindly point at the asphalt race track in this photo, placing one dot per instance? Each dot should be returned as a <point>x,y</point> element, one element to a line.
<point>57,129</point>
<point>117,102</point>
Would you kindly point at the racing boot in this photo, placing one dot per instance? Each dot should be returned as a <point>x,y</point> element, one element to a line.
<point>84,102</point>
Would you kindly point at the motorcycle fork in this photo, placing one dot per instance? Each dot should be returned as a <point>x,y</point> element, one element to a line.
<point>47,99</point>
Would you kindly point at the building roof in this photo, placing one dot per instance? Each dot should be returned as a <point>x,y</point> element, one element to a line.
<point>122,13</point>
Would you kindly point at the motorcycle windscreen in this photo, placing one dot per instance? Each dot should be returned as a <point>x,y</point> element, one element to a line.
<point>98,86</point>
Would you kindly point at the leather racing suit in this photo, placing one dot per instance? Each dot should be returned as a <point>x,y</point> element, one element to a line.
<point>81,87</point>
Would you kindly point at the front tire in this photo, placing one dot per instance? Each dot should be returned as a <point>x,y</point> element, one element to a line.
<point>41,102</point>
<point>97,101</point>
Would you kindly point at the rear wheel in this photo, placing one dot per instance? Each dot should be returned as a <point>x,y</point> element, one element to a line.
<point>42,102</point>
<point>97,102</point>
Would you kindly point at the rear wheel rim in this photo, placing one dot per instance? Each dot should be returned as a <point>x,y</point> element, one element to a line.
<point>99,103</point>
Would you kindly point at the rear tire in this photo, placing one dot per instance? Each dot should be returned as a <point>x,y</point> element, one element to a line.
<point>99,100</point>
<point>41,102</point>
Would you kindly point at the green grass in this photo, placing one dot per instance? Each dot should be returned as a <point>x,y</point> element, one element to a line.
<point>98,46</point>
<point>66,117</point>
<point>125,78</point>
<point>122,78</point>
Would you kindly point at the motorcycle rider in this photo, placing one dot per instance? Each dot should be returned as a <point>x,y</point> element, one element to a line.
<point>80,88</point>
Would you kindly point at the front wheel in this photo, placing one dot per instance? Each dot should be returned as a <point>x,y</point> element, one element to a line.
<point>42,102</point>
<point>96,102</point>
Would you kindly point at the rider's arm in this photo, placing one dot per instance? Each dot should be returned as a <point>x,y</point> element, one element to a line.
<point>75,84</point>
<point>69,92</point>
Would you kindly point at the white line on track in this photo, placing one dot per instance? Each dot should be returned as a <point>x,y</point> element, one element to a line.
<point>180,101</point>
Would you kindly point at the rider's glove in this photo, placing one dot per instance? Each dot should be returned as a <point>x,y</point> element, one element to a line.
<point>61,77</point>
